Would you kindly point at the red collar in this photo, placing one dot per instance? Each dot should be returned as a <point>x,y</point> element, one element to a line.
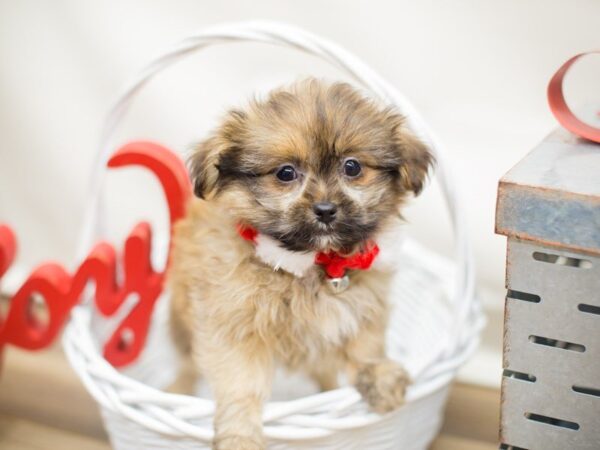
<point>334,264</point>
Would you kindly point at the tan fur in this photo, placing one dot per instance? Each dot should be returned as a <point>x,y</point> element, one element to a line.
<point>235,316</point>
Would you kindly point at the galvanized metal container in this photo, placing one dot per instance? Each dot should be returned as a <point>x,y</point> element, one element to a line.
<point>549,208</point>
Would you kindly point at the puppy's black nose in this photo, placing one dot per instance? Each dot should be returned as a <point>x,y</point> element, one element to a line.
<point>325,211</point>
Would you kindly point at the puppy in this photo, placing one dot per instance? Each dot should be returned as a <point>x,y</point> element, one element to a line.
<point>276,260</point>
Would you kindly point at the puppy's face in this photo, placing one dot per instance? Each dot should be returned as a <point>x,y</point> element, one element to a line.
<point>316,167</point>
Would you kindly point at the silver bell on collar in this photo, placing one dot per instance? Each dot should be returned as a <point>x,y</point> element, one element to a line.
<point>338,285</point>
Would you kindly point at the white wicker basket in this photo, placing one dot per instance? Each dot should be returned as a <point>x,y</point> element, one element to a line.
<point>434,325</point>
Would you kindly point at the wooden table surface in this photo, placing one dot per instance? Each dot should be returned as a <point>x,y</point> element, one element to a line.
<point>44,406</point>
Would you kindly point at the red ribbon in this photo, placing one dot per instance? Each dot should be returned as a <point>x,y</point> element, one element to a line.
<point>561,110</point>
<point>247,232</point>
<point>336,265</point>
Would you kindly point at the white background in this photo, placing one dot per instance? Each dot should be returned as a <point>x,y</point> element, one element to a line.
<point>477,70</point>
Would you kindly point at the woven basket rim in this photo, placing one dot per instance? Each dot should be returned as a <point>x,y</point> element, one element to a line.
<point>171,414</point>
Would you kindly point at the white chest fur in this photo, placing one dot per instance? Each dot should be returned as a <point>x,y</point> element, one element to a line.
<point>271,253</point>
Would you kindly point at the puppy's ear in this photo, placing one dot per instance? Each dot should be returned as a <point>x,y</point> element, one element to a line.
<point>204,161</point>
<point>417,160</point>
<point>203,167</point>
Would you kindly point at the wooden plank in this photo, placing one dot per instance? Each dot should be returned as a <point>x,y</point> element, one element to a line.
<point>447,442</point>
<point>23,434</point>
<point>42,387</point>
<point>473,412</point>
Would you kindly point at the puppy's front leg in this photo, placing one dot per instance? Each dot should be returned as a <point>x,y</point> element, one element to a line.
<point>241,380</point>
<point>381,381</point>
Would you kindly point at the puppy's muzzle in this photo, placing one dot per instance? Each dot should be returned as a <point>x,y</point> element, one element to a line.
<point>325,211</point>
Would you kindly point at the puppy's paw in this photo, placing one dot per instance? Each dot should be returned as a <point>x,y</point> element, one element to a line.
<point>238,443</point>
<point>383,385</point>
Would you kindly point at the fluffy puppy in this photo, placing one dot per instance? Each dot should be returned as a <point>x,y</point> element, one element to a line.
<point>311,168</point>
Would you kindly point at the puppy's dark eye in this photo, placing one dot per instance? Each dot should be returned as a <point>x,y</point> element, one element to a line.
<point>352,167</point>
<point>287,174</point>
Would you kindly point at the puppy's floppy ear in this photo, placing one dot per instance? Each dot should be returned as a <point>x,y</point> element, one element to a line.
<point>417,160</point>
<point>203,167</point>
<point>203,163</point>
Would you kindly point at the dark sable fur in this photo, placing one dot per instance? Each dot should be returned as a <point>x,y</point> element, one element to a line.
<point>314,127</point>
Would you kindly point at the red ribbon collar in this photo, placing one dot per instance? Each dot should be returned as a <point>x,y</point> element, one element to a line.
<point>335,265</point>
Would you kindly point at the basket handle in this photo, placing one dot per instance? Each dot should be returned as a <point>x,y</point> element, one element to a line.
<point>290,36</point>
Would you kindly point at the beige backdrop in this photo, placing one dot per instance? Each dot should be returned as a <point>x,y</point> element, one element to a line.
<point>477,70</point>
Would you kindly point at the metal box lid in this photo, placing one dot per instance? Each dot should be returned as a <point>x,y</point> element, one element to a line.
<point>553,195</point>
